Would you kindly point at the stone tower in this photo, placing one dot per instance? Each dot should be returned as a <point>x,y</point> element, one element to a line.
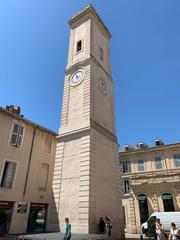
<point>86,183</point>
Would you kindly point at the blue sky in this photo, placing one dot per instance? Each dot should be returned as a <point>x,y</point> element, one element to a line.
<point>145,57</point>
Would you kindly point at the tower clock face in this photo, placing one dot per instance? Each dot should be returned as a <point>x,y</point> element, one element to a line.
<point>77,77</point>
<point>102,84</point>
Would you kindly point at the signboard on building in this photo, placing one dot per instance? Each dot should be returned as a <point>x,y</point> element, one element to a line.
<point>22,208</point>
<point>6,204</point>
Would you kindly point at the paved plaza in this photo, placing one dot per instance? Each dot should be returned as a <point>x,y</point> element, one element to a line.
<point>60,236</point>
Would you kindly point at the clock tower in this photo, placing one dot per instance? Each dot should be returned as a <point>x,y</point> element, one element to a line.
<point>86,184</point>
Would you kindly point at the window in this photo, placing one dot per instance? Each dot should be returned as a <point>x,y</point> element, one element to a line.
<point>143,207</point>
<point>177,160</point>
<point>140,165</point>
<point>8,174</point>
<point>47,145</point>
<point>16,135</point>
<point>101,53</point>
<point>126,187</point>
<point>43,176</point>
<point>168,202</point>
<point>158,162</point>
<point>79,46</point>
<point>126,166</point>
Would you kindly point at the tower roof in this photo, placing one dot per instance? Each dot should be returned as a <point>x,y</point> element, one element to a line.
<point>85,11</point>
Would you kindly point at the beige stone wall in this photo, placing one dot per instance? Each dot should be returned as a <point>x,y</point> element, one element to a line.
<point>21,156</point>
<point>102,105</point>
<point>108,193</point>
<point>80,31</point>
<point>76,102</point>
<point>100,40</point>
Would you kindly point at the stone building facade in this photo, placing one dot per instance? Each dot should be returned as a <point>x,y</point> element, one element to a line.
<point>150,181</point>
<point>86,177</point>
<point>27,153</point>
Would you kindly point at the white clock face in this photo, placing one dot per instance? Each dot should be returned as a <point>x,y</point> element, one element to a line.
<point>102,85</point>
<point>77,77</point>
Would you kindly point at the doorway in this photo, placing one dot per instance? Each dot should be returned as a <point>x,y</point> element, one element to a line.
<point>5,216</point>
<point>37,218</point>
<point>168,204</point>
<point>143,208</point>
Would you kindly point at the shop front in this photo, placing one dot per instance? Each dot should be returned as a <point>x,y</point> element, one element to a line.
<point>6,208</point>
<point>37,218</point>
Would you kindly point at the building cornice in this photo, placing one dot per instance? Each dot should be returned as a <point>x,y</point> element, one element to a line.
<point>103,130</point>
<point>85,62</point>
<point>20,118</point>
<point>150,149</point>
<point>89,10</point>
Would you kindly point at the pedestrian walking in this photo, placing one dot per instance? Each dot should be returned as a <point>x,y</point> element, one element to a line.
<point>67,233</point>
<point>108,227</point>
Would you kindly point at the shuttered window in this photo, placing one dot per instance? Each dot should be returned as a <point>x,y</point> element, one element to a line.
<point>16,135</point>
<point>8,174</point>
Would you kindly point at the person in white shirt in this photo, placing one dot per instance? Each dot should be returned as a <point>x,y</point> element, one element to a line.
<point>174,232</point>
<point>160,230</point>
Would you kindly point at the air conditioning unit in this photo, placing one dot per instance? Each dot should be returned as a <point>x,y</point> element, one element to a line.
<point>158,142</point>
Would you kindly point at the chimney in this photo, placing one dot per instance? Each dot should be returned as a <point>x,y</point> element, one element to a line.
<point>13,109</point>
<point>158,142</point>
<point>141,146</point>
<point>127,148</point>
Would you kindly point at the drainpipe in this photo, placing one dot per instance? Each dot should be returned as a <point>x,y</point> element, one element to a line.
<point>29,162</point>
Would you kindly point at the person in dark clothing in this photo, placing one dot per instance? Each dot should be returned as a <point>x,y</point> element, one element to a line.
<point>152,228</point>
<point>102,225</point>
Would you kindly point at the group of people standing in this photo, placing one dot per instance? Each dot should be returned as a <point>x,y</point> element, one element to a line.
<point>105,226</point>
<point>156,230</point>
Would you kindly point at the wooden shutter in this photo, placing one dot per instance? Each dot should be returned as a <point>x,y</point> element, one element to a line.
<point>14,135</point>
<point>20,136</point>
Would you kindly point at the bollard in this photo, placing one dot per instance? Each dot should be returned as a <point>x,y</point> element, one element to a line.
<point>141,237</point>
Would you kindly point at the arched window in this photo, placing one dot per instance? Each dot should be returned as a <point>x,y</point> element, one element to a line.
<point>43,176</point>
<point>168,202</point>
<point>143,207</point>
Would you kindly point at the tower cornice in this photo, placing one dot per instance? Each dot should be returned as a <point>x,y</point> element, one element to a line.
<point>86,62</point>
<point>89,10</point>
<point>67,136</point>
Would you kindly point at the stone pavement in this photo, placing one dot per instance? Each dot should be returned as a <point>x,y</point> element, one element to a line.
<point>60,236</point>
